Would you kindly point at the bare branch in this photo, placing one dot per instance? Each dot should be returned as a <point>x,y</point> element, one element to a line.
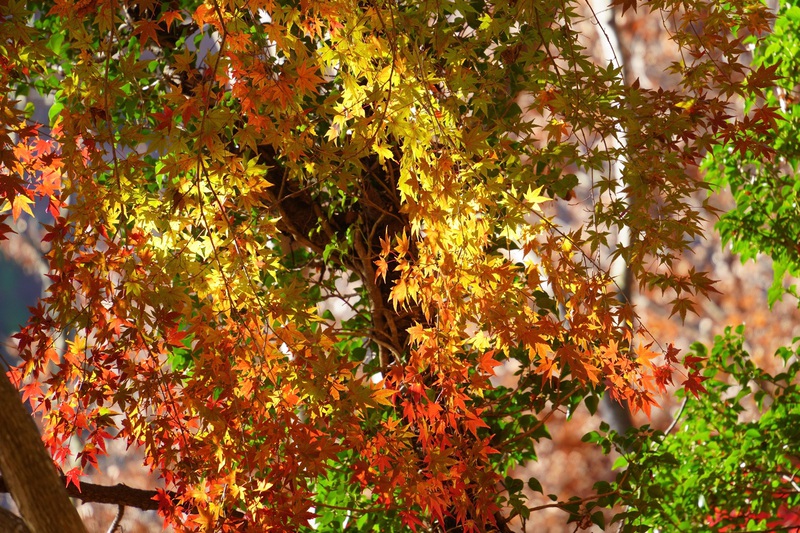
<point>119,494</point>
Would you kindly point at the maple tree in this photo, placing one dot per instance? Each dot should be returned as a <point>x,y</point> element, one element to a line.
<point>764,219</point>
<point>290,243</point>
<point>733,465</point>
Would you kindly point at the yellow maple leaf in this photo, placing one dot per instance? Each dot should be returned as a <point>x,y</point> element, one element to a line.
<point>383,396</point>
<point>384,151</point>
<point>534,197</point>
<point>18,205</point>
<point>399,293</point>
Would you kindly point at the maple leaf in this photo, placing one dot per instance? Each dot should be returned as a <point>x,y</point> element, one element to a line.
<point>384,151</point>
<point>410,519</point>
<point>769,116</point>
<point>402,246</point>
<point>164,119</point>
<point>31,390</point>
<point>642,401</point>
<point>146,30</point>
<point>49,184</point>
<point>416,334</point>
<point>672,352</point>
<point>487,362</point>
<point>11,186</point>
<point>20,203</point>
<point>681,306</point>
<point>694,385</point>
<point>548,369</point>
<point>591,372</point>
<point>5,229</point>
<point>383,396</point>
<point>382,270</point>
<point>168,17</point>
<point>473,422</point>
<point>399,293</point>
<point>764,76</point>
<point>663,376</point>
<point>625,5</point>
<point>306,80</point>
<point>644,355</point>
<point>693,361</point>
<point>175,337</point>
<point>73,476</point>
<point>534,197</point>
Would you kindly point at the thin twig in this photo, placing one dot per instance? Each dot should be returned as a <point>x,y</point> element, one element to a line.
<point>114,527</point>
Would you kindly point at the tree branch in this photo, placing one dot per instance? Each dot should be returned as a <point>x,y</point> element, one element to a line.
<point>12,523</point>
<point>119,494</point>
<point>114,527</point>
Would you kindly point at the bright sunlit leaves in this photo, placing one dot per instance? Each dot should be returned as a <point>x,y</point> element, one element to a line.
<point>297,247</point>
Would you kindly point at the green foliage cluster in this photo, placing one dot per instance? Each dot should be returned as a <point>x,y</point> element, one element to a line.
<point>733,463</point>
<point>766,219</point>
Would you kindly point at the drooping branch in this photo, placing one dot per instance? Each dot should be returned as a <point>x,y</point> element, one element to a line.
<point>617,414</point>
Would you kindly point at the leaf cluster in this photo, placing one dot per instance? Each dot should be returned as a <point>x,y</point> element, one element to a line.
<point>764,220</point>
<point>291,243</point>
<point>731,464</point>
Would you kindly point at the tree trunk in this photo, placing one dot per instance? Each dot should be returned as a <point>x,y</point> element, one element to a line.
<point>28,470</point>
<point>617,415</point>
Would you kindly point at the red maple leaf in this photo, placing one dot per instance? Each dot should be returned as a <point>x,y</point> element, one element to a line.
<point>146,30</point>
<point>692,361</point>
<point>694,385</point>
<point>672,352</point>
<point>73,476</point>
<point>4,228</point>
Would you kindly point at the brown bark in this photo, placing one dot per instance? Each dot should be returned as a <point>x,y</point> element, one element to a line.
<point>28,470</point>
<point>120,495</point>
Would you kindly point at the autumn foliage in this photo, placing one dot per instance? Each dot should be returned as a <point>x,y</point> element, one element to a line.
<point>290,243</point>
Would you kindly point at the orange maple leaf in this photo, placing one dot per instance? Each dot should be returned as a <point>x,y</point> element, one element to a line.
<point>382,270</point>
<point>383,396</point>
<point>473,422</point>
<point>399,293</point>
<point>171,16</point>
<point>644,355</point>
<point>307,79</point>
<point>487,362</point>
